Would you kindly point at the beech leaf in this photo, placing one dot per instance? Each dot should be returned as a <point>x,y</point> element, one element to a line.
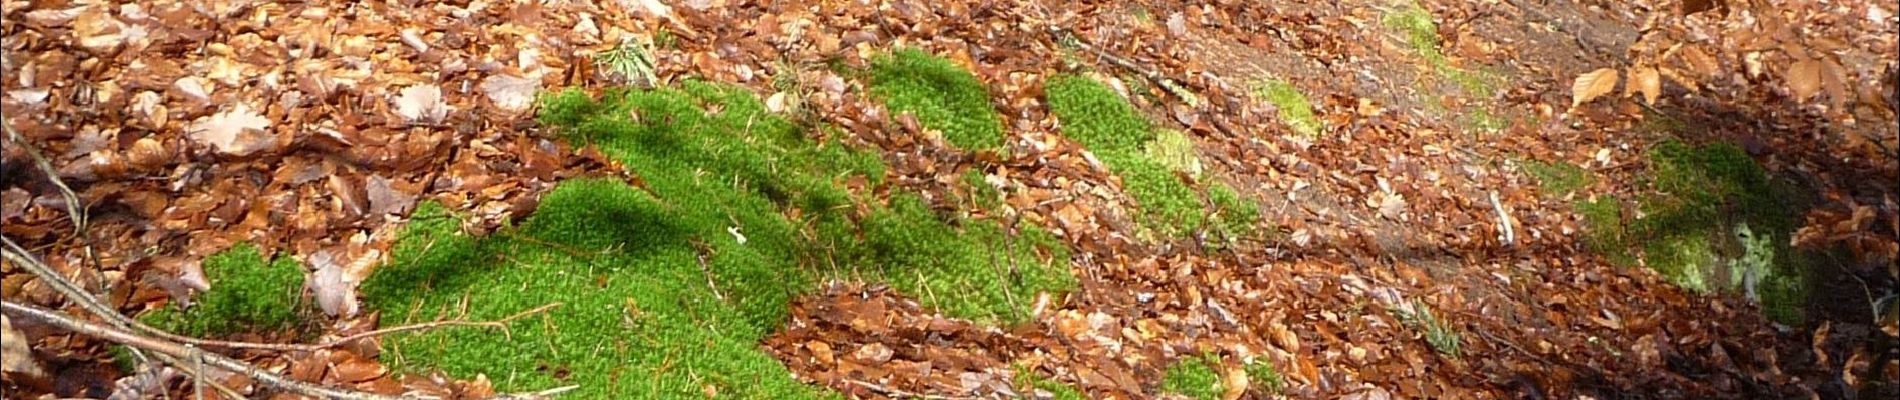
<point>1645,80</point>
<point>238,131</point>
<point>512,93</point>
<point>422,103</point>
<point>1804,79</point>
<point>1591,85</point>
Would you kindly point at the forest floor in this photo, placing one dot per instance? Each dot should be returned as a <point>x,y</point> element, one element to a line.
<point>1364,199</point>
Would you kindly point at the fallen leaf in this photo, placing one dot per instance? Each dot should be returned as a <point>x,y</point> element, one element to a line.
<point>1645,80</point>
<point>384,199</point>
<point>1233,381</point>
<point>238,131</point>
<point>334,288</point>
<point>1804,79</point>
<point>18,357</point>
<point>511,92</point>
<point>1592,84</point>
<point>422,103</point>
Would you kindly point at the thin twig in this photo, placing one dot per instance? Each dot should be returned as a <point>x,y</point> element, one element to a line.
<point>121,336</point>
<point>706,268</point>
<point>74,210</point>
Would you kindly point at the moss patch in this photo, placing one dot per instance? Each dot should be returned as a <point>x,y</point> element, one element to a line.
<point>1295,109</point>
<point>248,294</point>
<point>1196,377</point>
<point>1094,115</point>
<point>942,95</point>
<point>1263,377</point>
<point>1558,178</point>
<point>1714,217</point>
<point>667,287</point>
<point>1027,380</point>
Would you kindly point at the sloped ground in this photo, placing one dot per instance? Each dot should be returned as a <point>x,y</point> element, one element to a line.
<point>1380,264</point>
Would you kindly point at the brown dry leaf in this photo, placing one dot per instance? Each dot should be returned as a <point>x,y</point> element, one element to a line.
<point>1700,62</point>
<point>1592,84</point>
<point>1804,79</point>
<point>1834,80</point>
<point>18,357</point>
<point>357,369</point>
<point>238,131</point>
<point>1645,80</point>
<point>1233,381</point>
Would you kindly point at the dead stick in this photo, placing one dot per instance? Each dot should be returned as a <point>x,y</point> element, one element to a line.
<point>121,336</point>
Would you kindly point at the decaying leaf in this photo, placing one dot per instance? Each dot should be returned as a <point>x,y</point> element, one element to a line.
<point>1592,84</point>
<point>238,131</point>
<point>332,283</point>
<point>511,92</point>
<point>18,357</point>
<point>422,103</point>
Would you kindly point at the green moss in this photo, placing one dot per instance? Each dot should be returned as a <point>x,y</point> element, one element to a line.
<point>1693,229</point>
<point>966,271</point>
<point>1150,164</point>
<point>1295,109</point>
<point>1558,178</point>
<point>1263,377</point>
<point>667,288</point>
<point>1606,236</point>
<point>1027,380</point>
<point>1196,377</point>
<point>1422,34</point>
<point>941,94</point>
<point>1095,116</point>
<point>1238,214</point>
<point>248,294</point>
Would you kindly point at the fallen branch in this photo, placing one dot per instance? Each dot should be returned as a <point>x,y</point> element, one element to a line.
<point>121,336</point>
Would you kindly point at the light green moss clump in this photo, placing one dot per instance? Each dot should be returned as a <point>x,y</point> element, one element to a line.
<point>1422,34</point>
<point>1095,116</point>
<point>248,294</point>
<point>1196,377</point>
<point>1295,109</point>
<point>941,94</point>
<point>666,288</point>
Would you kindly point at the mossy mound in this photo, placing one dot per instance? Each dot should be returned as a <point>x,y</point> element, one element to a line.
<point>248,293</point>
<point>1714,219</point>
<point>668,286</point>
<point>1095,116</point>
<point>942,95</point>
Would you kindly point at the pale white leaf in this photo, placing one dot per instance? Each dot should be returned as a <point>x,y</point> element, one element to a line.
<point>422,103</point>
<point>332,284</point>
<point>512,93</point>
<point>238,131</point>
